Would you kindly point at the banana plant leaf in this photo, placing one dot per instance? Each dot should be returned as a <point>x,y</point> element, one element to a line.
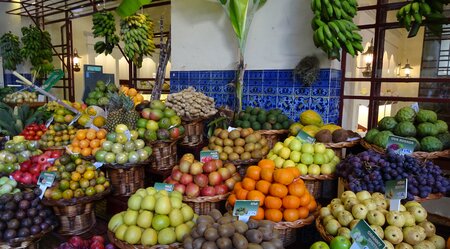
<point>129,7</point>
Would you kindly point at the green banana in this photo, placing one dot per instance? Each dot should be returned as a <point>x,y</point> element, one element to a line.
<point>320,34</point>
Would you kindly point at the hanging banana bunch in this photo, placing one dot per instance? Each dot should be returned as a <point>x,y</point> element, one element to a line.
<point>105,26</point>
<point>415,12</point>
<point>10,51</point>
<point>334,28</point>
<point>137,34</point>
<point>37,46</point>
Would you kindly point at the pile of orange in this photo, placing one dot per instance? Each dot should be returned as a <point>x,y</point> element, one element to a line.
<point>282,195</point>
<point>87,141</point>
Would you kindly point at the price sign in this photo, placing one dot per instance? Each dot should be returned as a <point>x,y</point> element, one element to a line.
<point>45,180</point>
<point>230,129</point>
<point>415,106</point>
<point>304,137</point>
<point>401,145</point>
<point>75,119</point>
<point>128,134</point>
<point>164,186</point>
<point>365,238</point>
<point>98,164</point>
<point>208,155</point>
<point>244,209</point>
<point>396,190</point>
<point>49,121</point>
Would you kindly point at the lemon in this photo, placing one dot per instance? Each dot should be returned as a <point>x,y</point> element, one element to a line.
<point>91,111</point>
<point>99,121</point>
<point>84,119</point>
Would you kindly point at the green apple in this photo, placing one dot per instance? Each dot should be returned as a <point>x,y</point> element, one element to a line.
<point>149,237</point>
<point>277,147</point>
<point>307,148</point>
<point>288,140</point>
<point>279,162</point>
<point>273,157</point>
<point>133,235</point>
<point>166,236</point>
<point>340,242</point>
<point>163,205</point>
<point>141,192</point>
<point>130,217</point>
<point>326,169</point>
<point>303,169</point>
<point>107,146</point>
<point>134,202</point>
<point>176,217</point>
<point>160,222</point>
<point>295,145</point>
<point>175,202</point>
<point>176,194</point>
<point>150,190</point>
<point>314,170</point>
<point>307,158</point>
<point>319,148</point>
<point>285,152</point>
<point>181,230</point>
<point>120,232</point>
<point>144,219</point>
<point>319,245</point>
<point>115,221</point>
<point>288,163</point>
<point>187,212</point>
<point>330,153</point>
<point>148,203</point>
<point>270,154</point>
<point>110,157</point>
<point>295,156</point>
<point>121,138</point>
<point>152,125</point>
<point>319,159</point>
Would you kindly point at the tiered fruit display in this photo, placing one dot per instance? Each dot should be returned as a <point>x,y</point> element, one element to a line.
<point>430,133</point>
<point>281,196</point>
<point>87,141</point>
<point>75,178</point>
<point>119,149</point>
<point>406,228</point>
<point>153,218</point>
<point>23,215</point>
<point>95,242</point>
<point>61,114</point>
<point>193,178</point>
<point>20,97</point>
<point>57,135</point>
<point>217,231</point>
<point>159,122</point>
<point>260,119</point>
<point>104,25</point>
<point>34,131</point>
<point>334,27</point>
<point>17,152</point>
<point>424,178</point>
<point>133,94</point>
<point>338,242</point>
<point>190,104</point>
<point>8,186</point>
<point>311,159</point>
<point>239,144</point>
<point>31,169</point>
<point>121,111</point>
<point>99,95</point>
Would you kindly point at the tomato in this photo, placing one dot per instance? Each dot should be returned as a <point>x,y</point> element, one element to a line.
<point>28,137</point>
<point>42,127</point>
<point>35,170</point>
<point>56,154</point>
<point>32,133</point>
<point>39,133</point>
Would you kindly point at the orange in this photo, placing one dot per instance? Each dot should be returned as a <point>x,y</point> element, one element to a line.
<point>294,171</point>
<point>89,174</point>
<point>297,188</point>
<point>253,172</point>
<point>94,143</point>
<point>274,215</point>
<point>312,205</point>
<point>75,176</point>
<point>263,186</point>
<point>76,150</point>
<point>101,134</point>
<point>86,151</point>
<point>283,176</point>
<point>248,183</point>
<point>448,243</point>
<point>267,174</point>
<point>305,199</point>
<point>303,212</point>
<point>272,202</point>
<point>266,164</point>
<point>241,194</point>
<point>290,214</point>
<point>237,186</point>
<point>76,143</point>
<point>259,214</point>
<point>91,134</point>
<point>81,134</point>
<point>255,195</point>
<point>278,190</point>
<point>131,92</point>
<point>291,201</point>
<point>232,199</point>
<point>84,143</point>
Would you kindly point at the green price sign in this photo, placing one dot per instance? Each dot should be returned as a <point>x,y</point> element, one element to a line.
<point>45,181</point>
<point>208,155</point>
<point>365,238</point>
<point>304,137</point>
<point>164,186</point>
<point>401,145</point>
<point>244,209</point>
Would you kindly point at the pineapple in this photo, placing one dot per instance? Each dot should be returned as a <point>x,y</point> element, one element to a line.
<point>121,111</point>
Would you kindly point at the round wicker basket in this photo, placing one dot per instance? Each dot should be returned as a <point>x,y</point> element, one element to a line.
<point>273,136</point>
<point>287,230</point>
<point>321,229</point>
<point>165,155</point>
<point>123,245</point>
<point>125,179</point>
<point>193,132</point>
<point>314,183</point>
<point>204,204</point>
<point>30,242</point>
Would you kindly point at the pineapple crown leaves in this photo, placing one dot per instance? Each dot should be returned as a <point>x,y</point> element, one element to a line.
<point>120,100</point>
<point>14,120</point>
<point>308,70</point>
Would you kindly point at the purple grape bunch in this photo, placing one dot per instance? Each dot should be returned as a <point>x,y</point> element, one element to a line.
<point>369,170</point>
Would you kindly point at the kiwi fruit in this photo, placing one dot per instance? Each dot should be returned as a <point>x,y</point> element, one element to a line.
<point>228,149</point>
<point>205,218</point>
<point>252,224</point>
<point>197,244</point>
<point>246,156</point>
<point>267,223</point>
<point>340,135</point>
<point>324,136</point>
<point>201,227</point>
<point>216,214</point>
<point>233,156</point>
<point>226,230</point>
<point>266,233</point>
<point>209,245</point>
<point>249,147</point>
<point>239,241</point>
<point>245,132</point>
<point>239,142</point>
<point>263,141</point>
<point>251,139</point>
<point>211,234</point>
<point>218,142</point>
<point>257,154</point>
<point>223,156</point>
<point>275,234</point>
<point>268,245</point>
<point>277,242</point>
<point>254,236</point>
<point>238,149</point>
<point>187,242</point>
<point>240,226</point>
<point>224,243</point>
<point>258,146</point>
<point>265,150</point>
<point>225,220</point>
<point>195,235</point>
<point>223,134</point>
<point>254,246</point>
<point>228,142</point>
<point>234,134</point>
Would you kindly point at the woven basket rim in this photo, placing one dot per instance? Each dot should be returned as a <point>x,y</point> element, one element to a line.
<point>169,141</point>
<point>319,177</point>
<point>127,165</point>
<point>55,148</point>
<point>194,120</point>
<point>295,224</point>
<point>272,132</point>
<point>423,155</point>
<point>75,201</point>
<point>215,198</point>
<point>30,239</point>
<point>242,162</point>
<point>31,104</point>
<point>123,245</point>
<point>345,144</point>
<point>321,229</point>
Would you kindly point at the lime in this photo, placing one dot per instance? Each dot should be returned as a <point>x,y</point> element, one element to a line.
<point>67,194</point>
<point>64,184</point>
<point>141,123</point>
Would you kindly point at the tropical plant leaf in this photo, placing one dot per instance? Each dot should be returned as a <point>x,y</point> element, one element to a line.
<point>129,7</point>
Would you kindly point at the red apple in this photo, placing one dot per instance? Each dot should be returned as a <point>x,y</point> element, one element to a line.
<point>236,177</point>
<point>209,167</point>
<point>185,166</point>
<point>17,175</point>
<point>230,183</point>
<point>196,168</point>
<point>221,189</point>
<point>169,180</point>
<point>145,113</point>
<point>56,154</point>
<point>192,190</point>
<point>25,166</point>
<point>179,187</point>
<point>201,180</point>
<point>98,238</point>
<point>225,173</point>
<point>186,179</point>
<point>214,178</point>
<point>218,162</point>
<point>76,241</point>
<point>45,166</point>
<point>176,174</point>
<point>43,158</point>
<point>27,178</point>
<point>230,167</point>
<point>208,191</point>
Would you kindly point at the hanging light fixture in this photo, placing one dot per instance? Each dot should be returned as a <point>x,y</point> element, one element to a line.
<point>368,59</point>
<point>76,61</point>
<point>407,69</point>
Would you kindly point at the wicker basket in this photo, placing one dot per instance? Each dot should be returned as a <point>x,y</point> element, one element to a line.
<point>165,155</point>
<point>273,136</point>
<point>287,230</point>
<point>204,204</point>
<point>314,183</point>
<point>76,216</point>
<point>193,132</point>
<point>31,242</point>
<point>321,229</point>
<point>340,148</point>
<point>126,180</point>
<point>421,155</point>
<point>123,245</point>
